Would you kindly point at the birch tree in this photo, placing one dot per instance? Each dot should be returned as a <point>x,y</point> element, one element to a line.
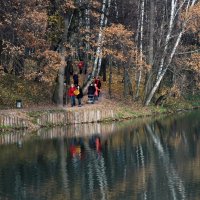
<point>141,29</point>
<point>105,24</point>
<point>99,42</point>
<point>175,30</point>
<point>150,49</point>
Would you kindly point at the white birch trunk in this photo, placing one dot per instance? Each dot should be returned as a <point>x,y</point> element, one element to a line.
<point>162,70</point>
<point>99,43</point>
<point>151,33</point>
<point>141,48</point>
<point>105,24</point>
<point>116,10</point>
<point>171,24</point>
<point>100,37</point>
<point>138,25</point>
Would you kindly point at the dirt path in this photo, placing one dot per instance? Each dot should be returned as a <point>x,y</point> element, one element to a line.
<point>101,103</point>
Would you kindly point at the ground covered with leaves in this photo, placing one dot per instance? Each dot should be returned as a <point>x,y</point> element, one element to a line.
<point>38,96</point>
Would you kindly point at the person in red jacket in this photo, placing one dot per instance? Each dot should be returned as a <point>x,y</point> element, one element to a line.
<point>80,66</point>
<point>96,93</point>
<point>72,95</point>
<point>98,83</point>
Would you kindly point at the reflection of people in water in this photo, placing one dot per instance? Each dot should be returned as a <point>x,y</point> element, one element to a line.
<point>76,148</point>
<point>98,144</point>
<point>95,143</point>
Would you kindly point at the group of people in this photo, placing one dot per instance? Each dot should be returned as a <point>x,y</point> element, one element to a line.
<point>77,146</point>
<point>75,91</point>
<point>94,90</point>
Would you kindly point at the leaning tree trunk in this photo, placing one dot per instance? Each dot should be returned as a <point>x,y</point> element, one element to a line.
<point>105,24</point>
<point>164,70</point>
<point>99,44</point>
<point>170,47</point>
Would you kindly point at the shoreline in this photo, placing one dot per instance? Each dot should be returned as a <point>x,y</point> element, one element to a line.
<point>34,119</point>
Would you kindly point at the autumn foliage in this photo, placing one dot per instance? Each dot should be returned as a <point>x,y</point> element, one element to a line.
<point>39,37</point>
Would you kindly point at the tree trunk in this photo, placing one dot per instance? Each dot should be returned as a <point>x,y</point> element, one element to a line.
<point>128,89</point>
<point>99,45</point>
<point>105,24</point>
<point>170,47</point>
<point>110,77</point>
<point>164,70</point>
<point>103,68</point>
<point>139,77</point>
<point>149,77</point>
<point>67,20</point>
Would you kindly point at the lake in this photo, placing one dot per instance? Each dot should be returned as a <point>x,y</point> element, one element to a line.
<point>143,159</point>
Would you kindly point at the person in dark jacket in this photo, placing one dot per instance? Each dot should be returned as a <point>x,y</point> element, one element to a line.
<point>75,78</point>
<point>91,91</point>
<point>80,95</point>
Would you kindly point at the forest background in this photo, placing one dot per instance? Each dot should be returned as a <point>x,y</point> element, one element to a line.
<point>142,49</point>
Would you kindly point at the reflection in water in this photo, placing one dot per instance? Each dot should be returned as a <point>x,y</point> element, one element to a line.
<point>140,156</point>
<point>77,148</point>
<point>173,178</point>
<point>152,160</point>
<point>63,165</point>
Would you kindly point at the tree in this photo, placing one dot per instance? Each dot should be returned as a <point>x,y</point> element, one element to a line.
<point>171,39</point>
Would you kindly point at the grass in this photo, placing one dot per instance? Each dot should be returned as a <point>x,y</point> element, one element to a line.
<point>31,93</point>
<point>38,95</point>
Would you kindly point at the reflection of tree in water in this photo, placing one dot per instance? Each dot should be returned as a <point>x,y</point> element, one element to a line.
<point>146,162</point>
<point>175,183</point>
<point>91,169</point>
<point>177,148</point>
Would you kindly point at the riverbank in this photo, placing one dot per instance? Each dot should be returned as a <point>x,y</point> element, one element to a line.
<point>102,111</point>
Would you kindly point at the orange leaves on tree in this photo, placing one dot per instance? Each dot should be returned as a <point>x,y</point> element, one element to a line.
<point>195,62</point>
<point>193,18</point>
<point>119,43</point>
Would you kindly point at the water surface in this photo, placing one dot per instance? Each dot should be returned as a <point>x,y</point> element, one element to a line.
<point>155,159</point>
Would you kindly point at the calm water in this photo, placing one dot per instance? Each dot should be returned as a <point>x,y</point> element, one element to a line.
<point>144,159</point>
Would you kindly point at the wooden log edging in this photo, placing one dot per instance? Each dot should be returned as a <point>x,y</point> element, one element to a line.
<point>74,117</point>
<point>55,118</point>
<point>7,121</point>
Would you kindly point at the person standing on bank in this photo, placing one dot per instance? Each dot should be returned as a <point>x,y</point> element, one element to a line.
<point>98,83</point>
<point>79,96</point>
<point>72,95</point>
<point>96,93</point>
<point>81,66</point>
<point>75,78</point>
<point>91,91</point>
